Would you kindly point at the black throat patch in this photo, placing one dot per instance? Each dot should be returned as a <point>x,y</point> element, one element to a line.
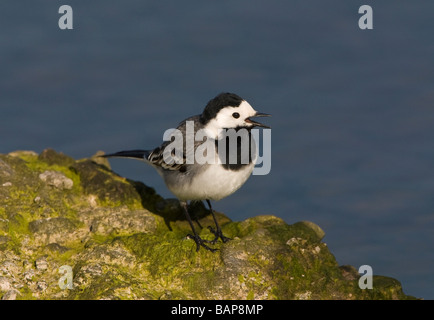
<point>236,149</point>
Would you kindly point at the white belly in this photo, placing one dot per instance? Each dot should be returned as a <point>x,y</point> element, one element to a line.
<point>214,183</point>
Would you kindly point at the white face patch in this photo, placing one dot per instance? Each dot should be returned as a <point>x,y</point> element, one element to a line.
<point>230,117</point>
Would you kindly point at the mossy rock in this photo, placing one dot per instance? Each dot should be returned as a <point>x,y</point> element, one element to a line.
<point>124,241</point>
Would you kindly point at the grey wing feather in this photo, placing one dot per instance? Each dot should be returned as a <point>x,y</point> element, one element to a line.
<point>170,158</point>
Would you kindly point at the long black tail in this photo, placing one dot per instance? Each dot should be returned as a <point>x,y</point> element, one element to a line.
<point>132,154</point>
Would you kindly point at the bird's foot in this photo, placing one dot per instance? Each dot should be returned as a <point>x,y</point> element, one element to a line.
<point>218,234</point>
<point>200,242</point>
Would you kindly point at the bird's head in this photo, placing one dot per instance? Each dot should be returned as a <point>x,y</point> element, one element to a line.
<point>229,111</point>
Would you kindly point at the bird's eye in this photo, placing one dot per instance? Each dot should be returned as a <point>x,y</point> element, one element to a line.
<point>236,115</point>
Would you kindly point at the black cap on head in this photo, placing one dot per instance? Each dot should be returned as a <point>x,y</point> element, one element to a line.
<point>215,105</point>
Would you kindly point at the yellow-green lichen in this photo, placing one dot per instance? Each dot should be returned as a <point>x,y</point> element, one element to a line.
<point>124,241</point>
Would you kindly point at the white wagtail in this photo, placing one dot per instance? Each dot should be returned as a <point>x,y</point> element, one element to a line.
<point>206,180</point>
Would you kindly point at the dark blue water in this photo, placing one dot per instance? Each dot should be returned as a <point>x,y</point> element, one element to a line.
<point>353,110</point>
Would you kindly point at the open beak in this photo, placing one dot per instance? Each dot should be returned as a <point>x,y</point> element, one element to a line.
<point>257,124</point>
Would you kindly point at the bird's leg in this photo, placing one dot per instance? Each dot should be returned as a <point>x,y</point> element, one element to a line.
<point>218,232</point>
<point>195,236</point>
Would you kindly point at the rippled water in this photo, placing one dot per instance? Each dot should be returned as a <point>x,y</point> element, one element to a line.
<point>353,110</point>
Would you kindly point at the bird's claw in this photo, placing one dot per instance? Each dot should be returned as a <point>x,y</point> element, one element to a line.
<point>200,242</point>
<point>218,234</point>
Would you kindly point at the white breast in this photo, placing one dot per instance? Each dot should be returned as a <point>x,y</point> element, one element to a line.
<point>209,180</point>
<point>213,183</point>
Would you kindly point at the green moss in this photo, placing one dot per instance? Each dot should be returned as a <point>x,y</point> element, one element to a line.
<point>241,278</point>
<point>27,156</point>
<point>25,294</point>
<point>66,257</point>
<point>102,286</point>
<point>39,166</point>
<point>251,295</point>
<point>233,229</point>
<point>283,233</point>
<point>168,254</point>
<point>385,288</point>
<point>197,283</point>
<point>16,233</point>
<point>110,189</point>
<point>267,258</point>
<point>173,263</point>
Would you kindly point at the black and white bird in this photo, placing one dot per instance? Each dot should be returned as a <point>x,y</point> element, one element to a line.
<point>190,178</point>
